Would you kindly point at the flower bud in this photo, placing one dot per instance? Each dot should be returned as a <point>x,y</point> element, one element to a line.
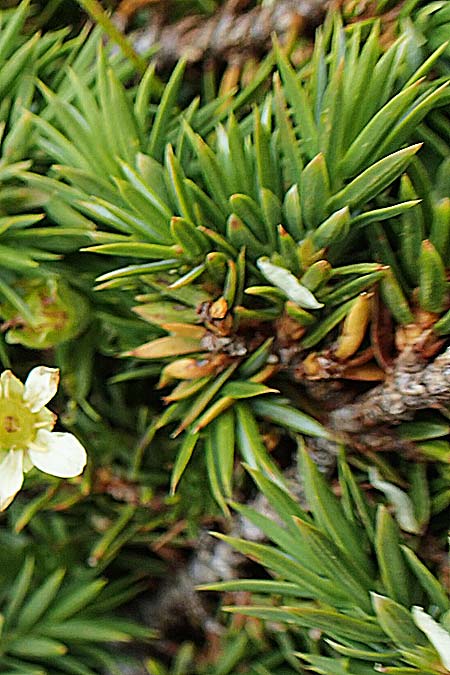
<point>58,312</point>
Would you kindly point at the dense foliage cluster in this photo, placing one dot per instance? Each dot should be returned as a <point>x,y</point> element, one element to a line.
<point>241,271</point>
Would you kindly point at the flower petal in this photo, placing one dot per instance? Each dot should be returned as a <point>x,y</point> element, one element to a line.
<point>45,419</point>
<point>11,477</point>
<point>58,454</point>
<point>27,463</point>
<point>40,387</point>
<point>11,386</point>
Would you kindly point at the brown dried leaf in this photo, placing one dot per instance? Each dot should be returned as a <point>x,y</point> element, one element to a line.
<point>382,334</point>
<point>166,346</point>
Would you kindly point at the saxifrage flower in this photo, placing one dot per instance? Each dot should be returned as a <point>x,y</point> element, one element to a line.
<point>26,436</point>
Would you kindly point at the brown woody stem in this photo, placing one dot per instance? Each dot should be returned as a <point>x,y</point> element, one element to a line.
<point>228,32</point>
<point>411,386</point>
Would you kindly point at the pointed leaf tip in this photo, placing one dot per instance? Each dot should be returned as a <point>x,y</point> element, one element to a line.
<point>288,283</point>
<point>437,635</point>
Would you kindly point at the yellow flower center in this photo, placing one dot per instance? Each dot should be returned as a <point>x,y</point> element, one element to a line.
<point>17,428</point>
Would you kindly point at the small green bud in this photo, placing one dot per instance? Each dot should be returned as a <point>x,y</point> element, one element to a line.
<point>59,314</point>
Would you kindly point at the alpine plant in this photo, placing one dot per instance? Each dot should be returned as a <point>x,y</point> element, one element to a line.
<point>301,241</point>
<point>262,266</point>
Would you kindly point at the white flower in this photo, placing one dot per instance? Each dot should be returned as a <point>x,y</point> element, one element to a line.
<point>26,437</point>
